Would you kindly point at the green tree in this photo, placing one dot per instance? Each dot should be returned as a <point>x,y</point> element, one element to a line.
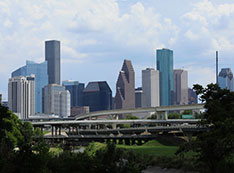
<point>215,147</point>
<point>174,115</point>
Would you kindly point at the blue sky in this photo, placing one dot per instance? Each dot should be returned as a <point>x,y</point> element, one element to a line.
<point>97,35</point>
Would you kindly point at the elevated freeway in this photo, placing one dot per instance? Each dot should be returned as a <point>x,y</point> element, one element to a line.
<point>156,110</point>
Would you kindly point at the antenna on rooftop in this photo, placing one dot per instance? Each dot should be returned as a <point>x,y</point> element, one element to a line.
<point>217,61</point>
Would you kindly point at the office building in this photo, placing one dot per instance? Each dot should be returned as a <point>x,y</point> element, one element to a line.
<point>39,70</point>
<point>138,97</point>
<point>56,100</point>
<point>150,87</point>
<point>192,97</point>
<point>180,87</point>
<point>165,68</point>
<point>21,96</point>
<point>76,90</point>
<point>125,87</point>
<point>98,96</point>
<point>52,56</point>
<point>225,79</point>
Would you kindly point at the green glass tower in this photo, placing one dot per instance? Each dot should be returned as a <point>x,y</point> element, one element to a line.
<point>165,67</point>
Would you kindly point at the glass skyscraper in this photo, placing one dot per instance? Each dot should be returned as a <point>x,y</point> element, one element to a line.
<point>41,79</point>
<point>226,79</point>
<point>76,90</point>
<point>98,96</point>
<point>52,56</point>
<point>165,68</point>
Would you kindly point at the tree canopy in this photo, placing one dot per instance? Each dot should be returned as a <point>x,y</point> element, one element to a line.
<point>215,147</point>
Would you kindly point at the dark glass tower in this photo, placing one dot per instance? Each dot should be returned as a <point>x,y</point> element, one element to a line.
<point>52,56</point>
<point>98,96</point>
<point>76,90</point>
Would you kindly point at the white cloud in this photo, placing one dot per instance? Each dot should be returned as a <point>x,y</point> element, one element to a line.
<point>99,31</point>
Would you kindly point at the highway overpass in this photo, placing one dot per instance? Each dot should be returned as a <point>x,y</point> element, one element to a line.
<point>157,110</point>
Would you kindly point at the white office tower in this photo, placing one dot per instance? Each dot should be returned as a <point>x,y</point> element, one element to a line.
<point>56,100</point>
<point>21,96</point>
<point>150,87</point>
<point>180,87</point>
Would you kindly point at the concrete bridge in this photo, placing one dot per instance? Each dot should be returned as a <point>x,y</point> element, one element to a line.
<point>157,110</point>
<point>101,130</point>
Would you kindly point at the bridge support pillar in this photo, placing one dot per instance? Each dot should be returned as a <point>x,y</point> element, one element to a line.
<point>56,131</point>
<point>113,126</point>
<point>60,130</point>
<point>52,130</point>
<point>165,115</point>
<point>120,141</point>
<point>127,141</point>
<point>139,142</point>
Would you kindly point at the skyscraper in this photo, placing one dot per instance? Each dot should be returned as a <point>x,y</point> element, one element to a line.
<point>150,87</point>
<point>125,87</point>
<point>165,68</point>
<point>226,79</point>
<point>56,100</point>
<point>21,96</point>
<point>98,96</point>
<point>76,90</point>
<point>52,56</point>
<point>138,97</point>
<point>192,96</point>
<point>41,79</point>
<point>180,87</point>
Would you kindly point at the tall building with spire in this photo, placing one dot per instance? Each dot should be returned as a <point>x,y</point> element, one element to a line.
<point>125,87</point>
<point>52,56</point>
<point>165,68</point>
<point>226,79</point>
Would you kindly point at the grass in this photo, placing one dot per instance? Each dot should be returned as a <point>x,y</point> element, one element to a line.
<point>152,148</point>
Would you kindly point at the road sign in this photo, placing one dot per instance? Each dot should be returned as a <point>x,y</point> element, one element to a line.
<point>190,116</point>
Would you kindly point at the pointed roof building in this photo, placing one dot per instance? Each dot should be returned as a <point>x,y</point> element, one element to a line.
<point>125,87</point>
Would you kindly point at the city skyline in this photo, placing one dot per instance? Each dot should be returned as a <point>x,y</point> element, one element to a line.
<point>93,40</point>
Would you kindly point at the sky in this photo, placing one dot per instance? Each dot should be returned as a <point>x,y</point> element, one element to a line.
<point>97,35</point>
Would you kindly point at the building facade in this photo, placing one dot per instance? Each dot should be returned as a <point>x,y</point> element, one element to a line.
<point>76,90</point>
<point>39,70</point>
<point>165,68</point>
<point>150,87</point>
<point>21,96</point>
<point>225,79</point>
<point>52,56</point>
<point>180,87</point>
<point>98,96</point>
<point>192,97</point>
<point>125,87</point>
<point>138,97</point>
<point>56,100</point>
